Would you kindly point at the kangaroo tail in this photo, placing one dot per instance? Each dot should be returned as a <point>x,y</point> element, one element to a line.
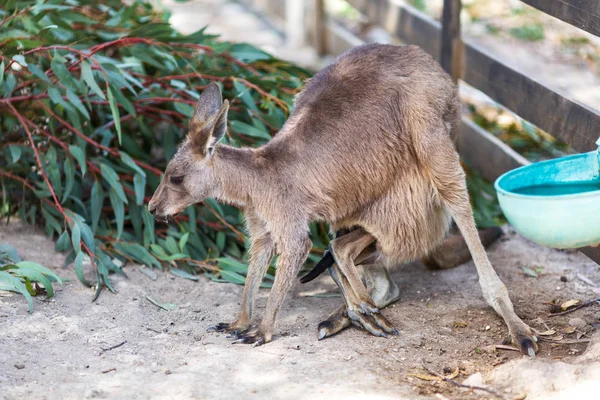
<point>325,262</point>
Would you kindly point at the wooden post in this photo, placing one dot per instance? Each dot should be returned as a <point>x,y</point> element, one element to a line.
<point>294,23</point>
<point>320,18</point>
<point>451,57</point>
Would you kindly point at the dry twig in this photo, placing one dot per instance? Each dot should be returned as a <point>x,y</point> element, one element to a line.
<point>587,303</point>
<point>457,384</point>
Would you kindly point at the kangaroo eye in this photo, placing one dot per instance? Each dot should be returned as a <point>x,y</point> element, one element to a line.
<point>176,180</point>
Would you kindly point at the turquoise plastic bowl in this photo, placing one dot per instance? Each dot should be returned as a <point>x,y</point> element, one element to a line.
<point>559,221</point>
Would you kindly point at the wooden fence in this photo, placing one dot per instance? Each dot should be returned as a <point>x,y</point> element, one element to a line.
<point>566,119</point>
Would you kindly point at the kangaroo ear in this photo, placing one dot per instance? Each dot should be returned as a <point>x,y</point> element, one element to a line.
<point>209,123</point>
<point>217,128</point>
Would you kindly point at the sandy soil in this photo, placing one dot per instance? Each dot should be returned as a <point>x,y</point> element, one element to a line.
<point>59,352</point>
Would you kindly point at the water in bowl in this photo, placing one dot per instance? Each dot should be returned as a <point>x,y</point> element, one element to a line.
<point>558,189</point>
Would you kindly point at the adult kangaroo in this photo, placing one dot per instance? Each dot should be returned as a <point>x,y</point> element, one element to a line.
<point>367,149</point>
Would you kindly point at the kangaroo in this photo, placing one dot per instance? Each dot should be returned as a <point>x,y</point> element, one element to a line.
<point>367,149</point>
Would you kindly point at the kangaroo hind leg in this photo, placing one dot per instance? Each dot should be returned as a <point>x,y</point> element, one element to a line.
<point>442,162</point>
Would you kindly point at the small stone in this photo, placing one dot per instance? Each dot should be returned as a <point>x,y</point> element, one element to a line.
<point>475,380</point>
<point>198,337</point>
<point>19,366</point>
<point>577,322</point>
<point>168,372</point>
<point>520,396</point>
<point>563,279</point>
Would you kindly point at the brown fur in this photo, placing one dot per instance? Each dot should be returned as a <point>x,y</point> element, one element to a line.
<point>369,145</point>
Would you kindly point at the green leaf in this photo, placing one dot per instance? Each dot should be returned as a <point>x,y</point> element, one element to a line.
<point>249,130</point>
<point>78,104</point>
<point>233,277</point>
<point>63,243</point>
<point>148,227</point>
<point>113,180</point>
<point>184,108</point>
<point>79,155</point>
<point>115,111</point>
<point>182,274</point>
<point>42,270</point>
<point>139,184</point>
<point>124,102</point>
<point>119,209</point>
<point>18,287</point>
<point>19,59</point>
<point>69,170</point>
<point>221,241</point>
<point>248,53</point>
<point>97,201</point>
<point>138,253</point>
<point>37,71</point>
<point>148,272</point>
<point>15,152</point>
<point>35,276</point>
<point>126,158</point>
<point>76,237</point>
<point>88,77</point>
<point>8,253</point>
<point>164,306</point>
<point>229,264</point>
<point>162,255</point>
<point>63,75</point>
<point>1,72</point>
<point>529,272</point>
<point>183,241</point>
<point>78,263</point>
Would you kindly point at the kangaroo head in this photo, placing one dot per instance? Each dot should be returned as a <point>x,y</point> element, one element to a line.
<point>189,177</point>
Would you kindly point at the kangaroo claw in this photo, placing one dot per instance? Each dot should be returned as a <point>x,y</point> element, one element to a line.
<point>525,340</point>
<point>232,330</point>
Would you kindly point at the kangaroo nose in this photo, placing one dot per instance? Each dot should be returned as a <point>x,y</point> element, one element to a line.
<point>151,209</point>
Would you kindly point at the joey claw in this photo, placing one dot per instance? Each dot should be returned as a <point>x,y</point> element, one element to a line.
<point>369,309</point>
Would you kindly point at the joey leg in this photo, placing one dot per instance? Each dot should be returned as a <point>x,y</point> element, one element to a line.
<point>383,291</point>
<point>345,249</point>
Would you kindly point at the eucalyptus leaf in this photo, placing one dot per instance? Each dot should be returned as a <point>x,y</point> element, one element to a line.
<point>164,306</point>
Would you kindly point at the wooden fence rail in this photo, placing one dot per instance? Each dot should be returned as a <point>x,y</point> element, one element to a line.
<point>584,14</point>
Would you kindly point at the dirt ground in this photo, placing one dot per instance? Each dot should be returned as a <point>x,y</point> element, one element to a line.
<point>62,350</point>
